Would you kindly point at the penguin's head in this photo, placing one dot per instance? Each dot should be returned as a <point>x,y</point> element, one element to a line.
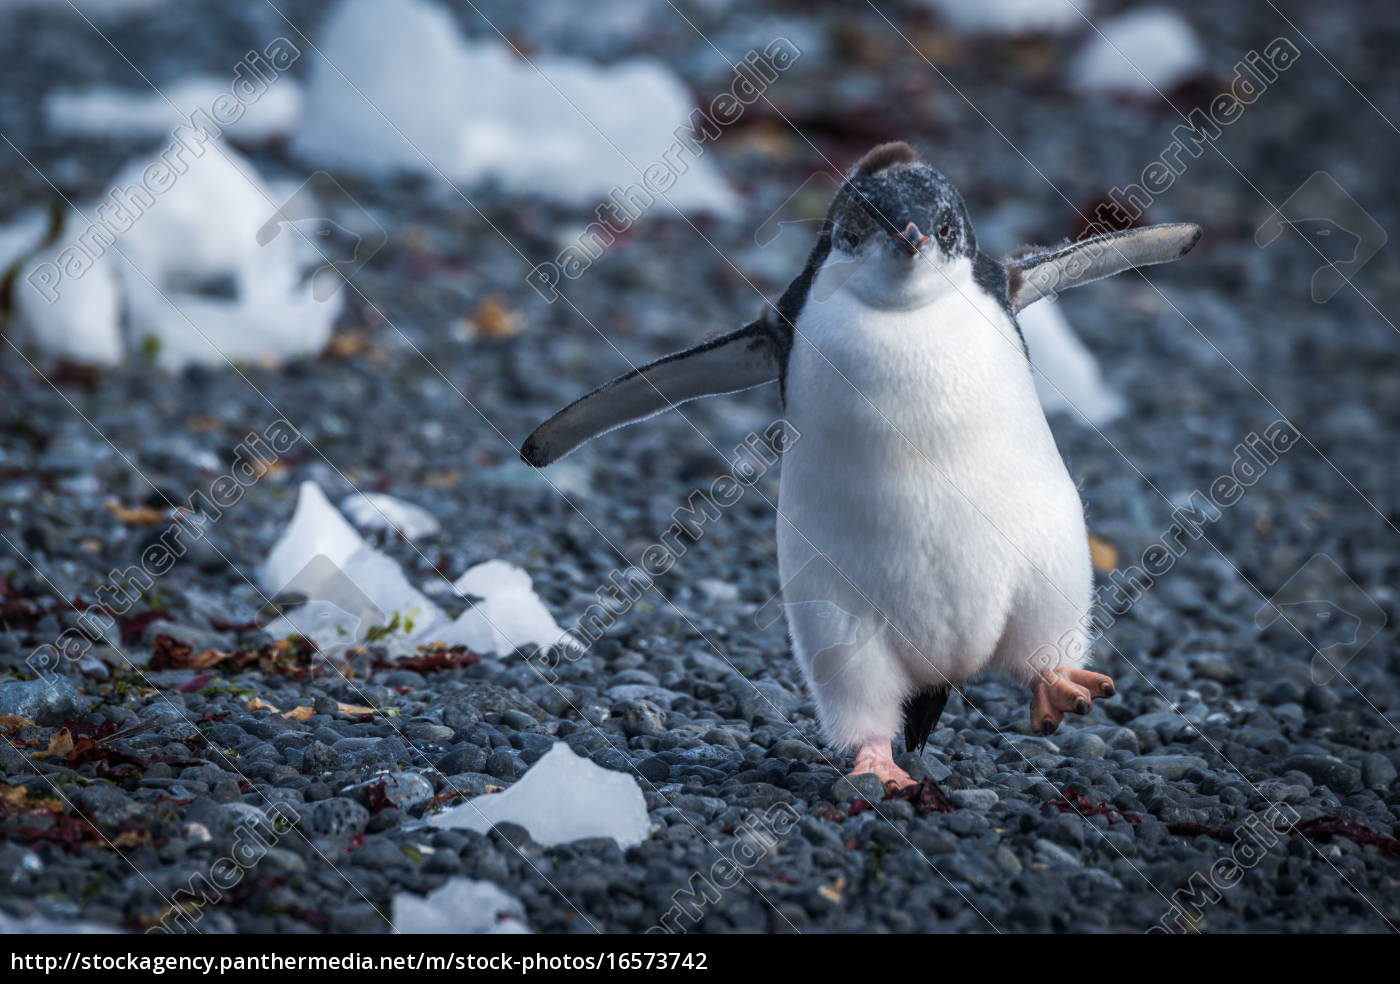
<point>899,229</point>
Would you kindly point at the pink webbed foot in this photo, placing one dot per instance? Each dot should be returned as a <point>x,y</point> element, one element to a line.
<point>1061,691</point>
<point>875,756</point>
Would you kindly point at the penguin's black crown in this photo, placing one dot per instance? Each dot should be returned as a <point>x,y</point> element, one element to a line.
<point>907,203</point>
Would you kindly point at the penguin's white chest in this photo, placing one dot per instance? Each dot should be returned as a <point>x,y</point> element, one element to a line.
<point>925,496</point>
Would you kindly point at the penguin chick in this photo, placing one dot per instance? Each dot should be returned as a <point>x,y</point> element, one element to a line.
<point>926,503</point>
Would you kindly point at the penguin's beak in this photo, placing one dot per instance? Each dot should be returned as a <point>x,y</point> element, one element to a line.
<point>911,238</point>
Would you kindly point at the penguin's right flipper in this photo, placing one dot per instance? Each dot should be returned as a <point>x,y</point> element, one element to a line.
<point>739,360</point>
<point>1031,275</point>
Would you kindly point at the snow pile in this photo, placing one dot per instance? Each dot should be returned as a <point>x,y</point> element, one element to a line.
<point>562,798</point>
<point>1067,377</point>
<point>377,511</point>
<point>187,271</point>
<point>103,111</point>
<point>508,615</point>
<point>1013,17</point>
<point>1139,54</point>
<point>459,906</point>
<point>477,111</point>
<point>352,588</point>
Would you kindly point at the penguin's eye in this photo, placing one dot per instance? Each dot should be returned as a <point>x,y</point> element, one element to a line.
<point>945,232</point>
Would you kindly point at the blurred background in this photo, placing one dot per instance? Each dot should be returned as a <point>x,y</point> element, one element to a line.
<point>413,229</point>
<point>416,228</point>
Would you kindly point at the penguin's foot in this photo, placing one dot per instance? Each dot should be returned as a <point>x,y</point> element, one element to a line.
<point>1062,691</point>
<point>874,756</point>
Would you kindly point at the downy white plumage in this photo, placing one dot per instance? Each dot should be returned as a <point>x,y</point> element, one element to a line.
<point>927,526</point>
<point>926,490</point>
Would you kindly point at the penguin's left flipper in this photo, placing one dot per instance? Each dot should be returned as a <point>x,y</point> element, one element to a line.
<point>1033,274</point>
<point>738,360</point>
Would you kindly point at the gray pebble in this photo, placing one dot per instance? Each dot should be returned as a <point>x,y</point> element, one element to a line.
<point>1167,766</point>
<point>46,700</point>
<point>1324,770</point>
<point>338,817</point>
<point>974,799</point>
<point>866,786</point>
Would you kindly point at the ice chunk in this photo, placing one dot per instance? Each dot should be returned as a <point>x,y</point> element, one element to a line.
<point>351,587</point>
<point>77,319</point>
<point>276,319</point>
<point>377,511</point>
<point>460,905</point>
<point>104,111</point>
<point>1013,17</point>
<point>316,528</point>
<point>1067,377</point>
<point>1140,53</point>
<point>391,591</point>
<point>21,238</point>
<point>205,229</point>
<point>330,626</point>
<point>417,96</point>
<point>508,616</point>
<point>85,326</point>
<point>188,269</point>
<point>562,798</point>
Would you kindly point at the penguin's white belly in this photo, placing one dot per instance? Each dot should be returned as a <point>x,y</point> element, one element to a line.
<point>924,497</point>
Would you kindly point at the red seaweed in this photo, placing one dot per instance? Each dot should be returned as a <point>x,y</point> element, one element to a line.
<point>196,683</point>
<point>1324,828</point>
<point>927,797</point>
<point>431,660</point>
<point>133,625</point>
<point>377,798</point>
<point>1073,800</point>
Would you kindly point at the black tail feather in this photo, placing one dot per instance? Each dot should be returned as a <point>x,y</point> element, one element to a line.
<point>921,714</point>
